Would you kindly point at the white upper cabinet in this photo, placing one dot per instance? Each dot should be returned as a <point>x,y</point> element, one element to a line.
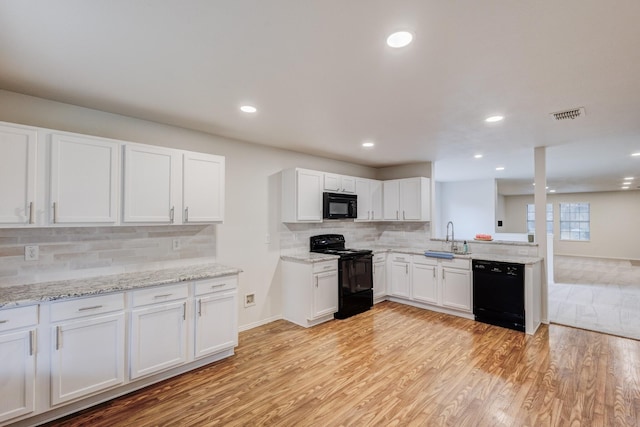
<point>407,199</point>
<point>335,183</point>
<point>203,188</point>
<point>84,180</point>
<point>17,175</point>
<point>369,194</point>
<point>302,195</point>
<point>151,183</point>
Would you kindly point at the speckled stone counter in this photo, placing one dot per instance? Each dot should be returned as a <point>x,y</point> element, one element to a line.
<point>311,257</point>
<point>308,257</point>
<point>48,291</point>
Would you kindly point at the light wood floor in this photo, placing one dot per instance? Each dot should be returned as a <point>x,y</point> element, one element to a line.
<point>397,365</point>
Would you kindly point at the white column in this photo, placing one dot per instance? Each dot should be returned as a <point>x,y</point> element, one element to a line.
<point>540,200</point>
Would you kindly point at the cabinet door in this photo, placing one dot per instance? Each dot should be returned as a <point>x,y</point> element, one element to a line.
<point>400,279</point>
<point>203,188</point>
<point>376,197</point>
<point>309,192</point>
<point>325,293</point>
<point>151,182</point>
<point>17,175</point>
<point>391,200</point>
<point>379,279</point>
<point>331,182</point>
<point>158,338</point>
<point>84,180</point>
<point>216,323</point>
<point>348,184</point>
<point>410,199</point>
<point>17,374</point>
<point>456,288</point>
<point>364,199</point>
<point>87,357</point>
<point>425,283</point>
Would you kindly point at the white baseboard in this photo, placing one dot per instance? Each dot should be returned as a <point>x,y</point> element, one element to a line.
<point>259,323</point>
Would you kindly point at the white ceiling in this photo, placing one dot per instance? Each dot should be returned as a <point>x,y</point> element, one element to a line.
<point>324,81</point>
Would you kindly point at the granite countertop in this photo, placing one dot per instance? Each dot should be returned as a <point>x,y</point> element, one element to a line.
<point>311,257</point>
<point>308,257</point>
<point>49,291</point>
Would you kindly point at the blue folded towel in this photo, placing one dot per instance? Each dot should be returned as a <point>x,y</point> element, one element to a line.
<point>434,254</point>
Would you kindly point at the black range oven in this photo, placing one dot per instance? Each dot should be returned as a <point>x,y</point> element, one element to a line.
<point>355,274</point>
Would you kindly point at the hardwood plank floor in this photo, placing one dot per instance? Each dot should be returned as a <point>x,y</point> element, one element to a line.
<point>397,365</point>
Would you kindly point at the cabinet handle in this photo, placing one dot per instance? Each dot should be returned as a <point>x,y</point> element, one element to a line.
<point>30,212</point>
<point>397,216</point>
<point>403,215</point>
<point>93,307</point>
<point>3,321</point>
<point>58,337</point>
<point>442,274</point>
<point>55,212</point>
<point>316,281</point>
<point>32,342</point>
<point>162,296</point>
<point>406,269</point>
<point>184,311</point>
<point>171,212</point>
<point>200,308</point>
<point>218,286</point>
<point>434,273</point>
<point>186,214</point>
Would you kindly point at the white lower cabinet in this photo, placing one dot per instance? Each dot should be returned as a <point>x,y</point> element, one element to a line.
<point>158,329</point>
<point>18,356</point>
<point>436,283</point>
<point>310,291</point>
<point>400,277</point>
<point>88,346</point>
<point>216,311</point>
<point>425,282</point>
<point>457,288</point>
<point>379,277</point>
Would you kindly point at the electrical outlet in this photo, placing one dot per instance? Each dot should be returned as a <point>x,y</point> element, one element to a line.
<point>249,300</point>
<point>176,245</point>
<point>31,253</point>
<point>267,239</point>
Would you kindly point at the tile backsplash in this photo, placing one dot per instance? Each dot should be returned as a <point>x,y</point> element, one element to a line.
<point>86,251</point>
<point>294,237</point>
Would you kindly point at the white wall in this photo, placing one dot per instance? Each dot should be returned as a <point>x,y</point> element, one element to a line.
<point>615,221</point>
<point>471,205</point>
<point>252,186</point>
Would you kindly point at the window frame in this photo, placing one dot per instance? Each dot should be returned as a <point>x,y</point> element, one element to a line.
<point>532,220</point>
<point>578,221</point>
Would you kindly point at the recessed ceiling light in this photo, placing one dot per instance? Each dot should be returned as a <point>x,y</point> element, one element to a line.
<point>478,156</point>
<point>493,119</point>
<point>626,183</point>
<point>399,39</point>
<point>552,191</point>
<point>629,178</point>
<point>500,168</point>
<point>636,154</point>
<point>368,144</point>
<point>625,188</point>
<point>248,109</point>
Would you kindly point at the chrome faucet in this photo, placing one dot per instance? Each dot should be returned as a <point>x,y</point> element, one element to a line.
<point>453,241</point>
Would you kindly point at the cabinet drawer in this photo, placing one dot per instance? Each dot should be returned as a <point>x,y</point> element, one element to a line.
<point>401,257</point>
<point>379,257</point>
<point>457,263</point>
<point>421,259</point>
<point>159,294</point>
<point>21,317</point>
<point>216,285</point>
<point>320,267</point>
<point>82,307</point>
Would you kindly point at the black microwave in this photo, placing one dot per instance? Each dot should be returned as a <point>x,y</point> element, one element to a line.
<point>339,206</point>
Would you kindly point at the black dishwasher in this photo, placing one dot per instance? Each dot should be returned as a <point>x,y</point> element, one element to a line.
<point>498,294</point>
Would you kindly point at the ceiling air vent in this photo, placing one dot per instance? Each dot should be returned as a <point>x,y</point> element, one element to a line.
<point>573,113</point>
